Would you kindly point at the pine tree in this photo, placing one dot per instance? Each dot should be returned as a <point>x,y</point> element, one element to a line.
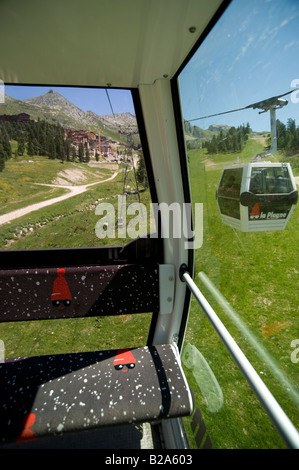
<point>52,149</point>
<point>74,153</point>
<point>21,146</point>
<point>141,174</point>
<point>67,149</point>
<point>281,134</point>
<point>2,158</point>
<point>87,155</point>
<point>4,139</point>
<point>30,147</point>
<point>42,141</point>
<point>81,153</point>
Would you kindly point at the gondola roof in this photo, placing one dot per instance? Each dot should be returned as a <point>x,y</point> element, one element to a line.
<point>98,42</point>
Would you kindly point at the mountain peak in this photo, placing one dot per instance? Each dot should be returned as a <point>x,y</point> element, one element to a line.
<point>51,93</point>
<point>54,107</point>
<point>49,98</point>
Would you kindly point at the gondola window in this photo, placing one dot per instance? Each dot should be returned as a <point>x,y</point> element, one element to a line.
<point>241,135</point>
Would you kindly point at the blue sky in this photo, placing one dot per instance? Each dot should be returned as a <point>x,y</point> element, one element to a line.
<point>251,54</point>
<point>87,99</point>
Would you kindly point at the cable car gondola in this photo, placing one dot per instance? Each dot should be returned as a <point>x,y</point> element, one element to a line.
<point>257,196</point>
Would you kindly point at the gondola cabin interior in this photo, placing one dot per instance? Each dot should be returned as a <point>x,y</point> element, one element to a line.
<point>113,253</point>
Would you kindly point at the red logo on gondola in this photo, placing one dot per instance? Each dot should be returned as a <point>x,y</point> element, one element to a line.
<point>255,211</point>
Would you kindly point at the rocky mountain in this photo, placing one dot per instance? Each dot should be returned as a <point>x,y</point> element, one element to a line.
<point>216,128</point>
<point>195,133</point>
<point>119,120</point>
<point>54,107</point>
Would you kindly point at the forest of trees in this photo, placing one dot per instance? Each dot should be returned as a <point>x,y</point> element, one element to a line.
<point>5,147</point>
<point>287,136</point>
<point>234,139</point>
<point>38,138</point>
<point>231,141</point>
<point>43,138</point>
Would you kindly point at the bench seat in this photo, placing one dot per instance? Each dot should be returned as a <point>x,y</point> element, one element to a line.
<point>51,395</point>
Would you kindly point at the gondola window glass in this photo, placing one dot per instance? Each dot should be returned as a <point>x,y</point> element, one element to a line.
<point>229,193</point>
<point>270,180</point>
<point>247,266</point>
<point>72,170</point>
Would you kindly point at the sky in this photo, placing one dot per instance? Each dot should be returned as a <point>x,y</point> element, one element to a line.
<point>251,54</point>
<point>87,99</point>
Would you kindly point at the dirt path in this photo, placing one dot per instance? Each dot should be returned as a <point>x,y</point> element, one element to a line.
<point>73,191</point>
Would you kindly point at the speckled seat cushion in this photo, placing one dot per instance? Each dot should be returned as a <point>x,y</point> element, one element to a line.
<point>50,395</point>
<point>78,291</point>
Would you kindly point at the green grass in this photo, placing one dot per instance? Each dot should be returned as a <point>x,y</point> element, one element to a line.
<point>22,178</point>
<point>70,223</point>
<point>34,338</point>
<point>257,273</point>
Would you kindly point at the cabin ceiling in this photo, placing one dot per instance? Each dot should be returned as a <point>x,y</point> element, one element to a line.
<point>98,42</point>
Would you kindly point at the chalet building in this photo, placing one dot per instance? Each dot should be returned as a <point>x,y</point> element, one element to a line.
<point>106,149</point>
<point>90,140</point>
<point>22,117</point>
<point>87,138</point>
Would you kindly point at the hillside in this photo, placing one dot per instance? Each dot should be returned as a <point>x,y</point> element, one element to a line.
<point>195,136</point>
<point>53,107</point>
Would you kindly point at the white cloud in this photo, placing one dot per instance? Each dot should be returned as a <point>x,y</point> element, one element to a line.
<point>291,44</point>
<point>242,51</point>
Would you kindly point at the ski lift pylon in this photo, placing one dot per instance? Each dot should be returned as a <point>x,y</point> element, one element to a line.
<point>257,196</point>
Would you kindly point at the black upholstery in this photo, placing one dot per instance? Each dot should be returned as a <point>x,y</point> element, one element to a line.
<point>60,393</point>
<point>51,395</point>
<point>79,291</point>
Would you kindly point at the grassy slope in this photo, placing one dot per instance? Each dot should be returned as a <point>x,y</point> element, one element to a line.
<point>18,180</point>
<point>17,184</point>
<point>257,273</point>
<point>70,223</point>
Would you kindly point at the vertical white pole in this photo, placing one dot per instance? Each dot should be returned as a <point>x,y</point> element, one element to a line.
<point>273,130</point>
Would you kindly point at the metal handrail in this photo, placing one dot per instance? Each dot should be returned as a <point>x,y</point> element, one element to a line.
<point>281,421</point>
